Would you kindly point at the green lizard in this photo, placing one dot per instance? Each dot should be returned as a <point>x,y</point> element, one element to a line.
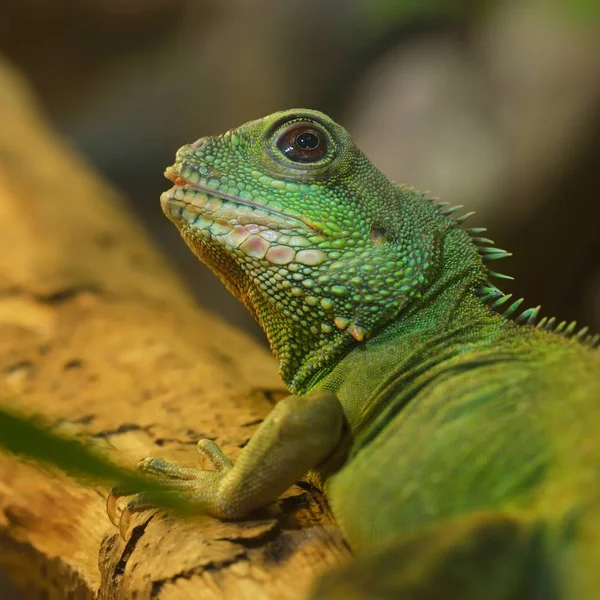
<point>458,447</point>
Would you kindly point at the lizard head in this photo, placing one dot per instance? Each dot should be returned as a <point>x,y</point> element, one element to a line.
<point>321,247</point>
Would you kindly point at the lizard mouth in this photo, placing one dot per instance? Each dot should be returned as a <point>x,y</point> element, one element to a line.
<point>196,198</point>
<point>204,216</point>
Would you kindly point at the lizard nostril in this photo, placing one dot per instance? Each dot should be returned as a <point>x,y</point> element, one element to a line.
<point>199,143</point>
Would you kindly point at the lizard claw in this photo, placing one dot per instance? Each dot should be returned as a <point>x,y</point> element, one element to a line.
<point>124,523</point>
<point>112,508</point>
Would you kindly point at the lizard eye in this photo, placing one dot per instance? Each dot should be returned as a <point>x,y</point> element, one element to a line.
<point>303,143</point>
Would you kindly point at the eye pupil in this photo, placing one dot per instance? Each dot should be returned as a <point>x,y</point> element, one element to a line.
<point>307,140</point>
<point>303,143</point>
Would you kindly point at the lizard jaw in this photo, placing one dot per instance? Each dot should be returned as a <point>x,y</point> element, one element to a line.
<point>285,220</point>
<point>205,216</point>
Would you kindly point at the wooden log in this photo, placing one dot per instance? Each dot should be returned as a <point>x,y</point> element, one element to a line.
<point>98,335</point>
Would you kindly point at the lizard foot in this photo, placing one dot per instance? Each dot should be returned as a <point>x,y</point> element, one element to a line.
<point>298,434</point>
<point>195,487</point>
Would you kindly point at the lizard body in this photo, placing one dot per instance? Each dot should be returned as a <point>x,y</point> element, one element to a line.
<point>458,446</point>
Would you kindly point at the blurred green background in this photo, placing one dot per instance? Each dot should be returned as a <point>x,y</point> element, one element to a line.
<point>490,104</point>
<point>494,105</point>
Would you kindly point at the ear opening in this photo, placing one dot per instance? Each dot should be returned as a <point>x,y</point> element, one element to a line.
<point>379,234</point>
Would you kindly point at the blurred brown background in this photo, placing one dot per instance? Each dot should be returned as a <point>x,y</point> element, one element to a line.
<point>494,105</point>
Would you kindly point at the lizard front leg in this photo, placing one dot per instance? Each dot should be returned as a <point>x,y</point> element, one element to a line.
<point>298,434</point>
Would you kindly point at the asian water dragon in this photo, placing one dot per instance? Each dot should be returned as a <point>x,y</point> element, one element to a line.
<point>459,446</point>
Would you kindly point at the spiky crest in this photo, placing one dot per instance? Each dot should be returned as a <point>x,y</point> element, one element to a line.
<point>489,292</point>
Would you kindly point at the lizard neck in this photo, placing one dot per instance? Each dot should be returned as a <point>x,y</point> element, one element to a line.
<point>360,290</point>
<point>448,306</point>
<point>444,328</point>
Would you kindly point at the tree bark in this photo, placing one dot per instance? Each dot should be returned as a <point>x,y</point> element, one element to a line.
<point>98,335</point>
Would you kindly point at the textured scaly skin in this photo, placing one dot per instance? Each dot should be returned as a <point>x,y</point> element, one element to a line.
<point>459,449</point>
